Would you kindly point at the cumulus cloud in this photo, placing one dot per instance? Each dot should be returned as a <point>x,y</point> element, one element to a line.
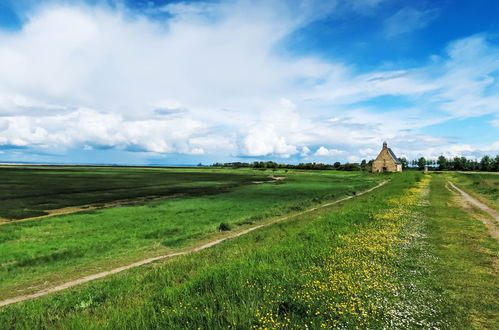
<point>324,152</point>
<point>89,128</point>
<point>128,70</point>
<point>304,151</point>
<point>270,134</point>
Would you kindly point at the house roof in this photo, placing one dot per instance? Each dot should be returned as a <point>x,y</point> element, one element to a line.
<point>397,161</point>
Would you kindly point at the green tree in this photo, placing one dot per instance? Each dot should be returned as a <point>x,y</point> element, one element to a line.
<point>404,162</point>
<point>421,163</point>
<point>485,163</point>
<point>442,163</point>
<point>495,165</point>
<point>363,164</point>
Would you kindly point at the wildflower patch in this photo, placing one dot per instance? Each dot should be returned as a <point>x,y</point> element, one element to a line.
<point>359,283</point>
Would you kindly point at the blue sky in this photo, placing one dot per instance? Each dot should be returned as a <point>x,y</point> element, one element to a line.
<point>183,82</point>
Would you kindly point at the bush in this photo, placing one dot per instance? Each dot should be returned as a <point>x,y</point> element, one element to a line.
<point>224,227</point>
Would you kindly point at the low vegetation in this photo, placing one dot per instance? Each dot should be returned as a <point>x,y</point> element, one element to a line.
<point>398,257</point>
<point>466,271</point>
<point>482,185</point>
<point>29,191</point>
<point>44,252</point>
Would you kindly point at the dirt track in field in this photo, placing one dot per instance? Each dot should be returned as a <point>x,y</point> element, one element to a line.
<point>91,207</point>
<point>149,260</point>
<point>490,223</point>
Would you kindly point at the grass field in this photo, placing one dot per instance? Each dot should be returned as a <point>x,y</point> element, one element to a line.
<point>32,191</point>
<point>404,256</point>
<point>485,185</point>
<point>44,252</point>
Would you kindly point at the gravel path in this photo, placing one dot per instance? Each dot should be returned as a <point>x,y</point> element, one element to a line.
<point>149,260</point>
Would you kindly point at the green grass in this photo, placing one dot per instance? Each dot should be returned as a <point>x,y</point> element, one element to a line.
<point>465,265</point>
<point>44,252</point>
<point>482,185</point>
<point>28,191</point>
<point>399,257</point>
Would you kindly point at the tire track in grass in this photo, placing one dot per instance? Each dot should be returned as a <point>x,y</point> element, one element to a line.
<point>92,277</point>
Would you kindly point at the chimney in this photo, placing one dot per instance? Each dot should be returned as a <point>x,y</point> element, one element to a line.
<point>385,145</point>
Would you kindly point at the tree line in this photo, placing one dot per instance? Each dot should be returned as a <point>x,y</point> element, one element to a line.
<point>302,166</point>
<point>486,163</point>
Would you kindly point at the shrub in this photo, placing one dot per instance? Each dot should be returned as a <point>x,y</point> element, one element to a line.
<point>224,226</point>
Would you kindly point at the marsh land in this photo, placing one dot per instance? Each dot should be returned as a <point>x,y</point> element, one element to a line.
<point>406,254</point>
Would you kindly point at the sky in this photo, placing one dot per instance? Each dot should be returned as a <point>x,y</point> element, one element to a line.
<point>186,82</point>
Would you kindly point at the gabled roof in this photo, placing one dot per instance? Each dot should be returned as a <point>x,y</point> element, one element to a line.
<point>397,161</point>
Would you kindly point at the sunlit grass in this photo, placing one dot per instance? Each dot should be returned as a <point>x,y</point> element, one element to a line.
<point>39,253</point>
<point>401,257</point>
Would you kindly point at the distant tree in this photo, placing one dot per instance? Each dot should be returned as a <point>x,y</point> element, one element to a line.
<point>363,164</point>
<point>465,164</point>
<point>351,167</point>
<point>457,164</point>
<point>421,163</point>
<point>404,162</point>
<point>337,165</point>
<point>485,163</point>
<point>495,164</point>
<point>442,163</point>
<point>370,163</point>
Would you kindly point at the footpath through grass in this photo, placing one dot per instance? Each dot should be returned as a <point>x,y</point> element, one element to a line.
<point>484,186</point>
<point>399,257</point>
<point>467,259</point>
<point>41,253</point>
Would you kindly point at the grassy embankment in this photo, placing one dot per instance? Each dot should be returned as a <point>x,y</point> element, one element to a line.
<point>398,257</point>
<point>41,253</point>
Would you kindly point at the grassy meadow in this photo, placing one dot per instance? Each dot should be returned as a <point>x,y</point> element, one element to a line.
<point>403,256</point>
<point>44,252</point>
<point>29,191</point>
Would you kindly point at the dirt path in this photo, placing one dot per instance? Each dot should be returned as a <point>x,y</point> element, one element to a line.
<point>149,260</point>
<point>491,224</point>
<point>91,207</point>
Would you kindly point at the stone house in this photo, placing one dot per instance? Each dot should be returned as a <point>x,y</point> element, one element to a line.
<point>386,161</point>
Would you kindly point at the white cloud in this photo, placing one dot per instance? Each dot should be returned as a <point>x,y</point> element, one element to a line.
<point>324,152</point>
<point>304,151</point>
<point>68,58</point>
<point>207,81</point>
<point>407,20</point>
<point>88,127</point>
<point>271,134</point>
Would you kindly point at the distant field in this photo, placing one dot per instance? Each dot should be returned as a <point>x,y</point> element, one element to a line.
<point>405,256</point>
<point>40,253</point>
<point>29,191</point>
